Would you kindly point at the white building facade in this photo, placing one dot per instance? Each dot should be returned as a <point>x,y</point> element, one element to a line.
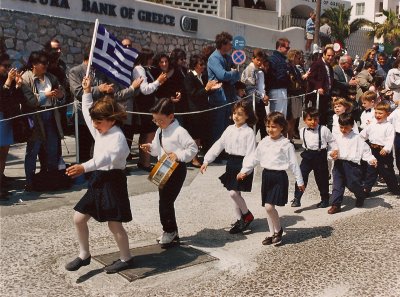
<point>372,9</point>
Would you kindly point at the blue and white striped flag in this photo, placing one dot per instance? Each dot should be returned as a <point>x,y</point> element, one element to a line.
<point>112,58</point>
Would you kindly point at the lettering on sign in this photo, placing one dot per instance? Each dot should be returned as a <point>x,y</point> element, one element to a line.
<point>109,9</point>
<point>55,3</point>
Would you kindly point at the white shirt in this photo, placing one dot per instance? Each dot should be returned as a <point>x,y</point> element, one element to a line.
<point>175,139</point>
<point>235,141</point>
<point>273,154</point>
<point>381,134</point>
<point>312,138</point>
<point>367,118</point>
<point>353,148</point>
<point>110,148</point>
<point>336,127</point>
<point>145,87</point>
<point>42,88</point>
<point>394,118</point>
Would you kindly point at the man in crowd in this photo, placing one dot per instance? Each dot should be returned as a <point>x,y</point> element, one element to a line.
<point>278,78</point>
<point>321,78</point>
<point>220,68</point>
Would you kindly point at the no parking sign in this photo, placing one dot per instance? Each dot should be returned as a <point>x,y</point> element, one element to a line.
<point>238,57</point>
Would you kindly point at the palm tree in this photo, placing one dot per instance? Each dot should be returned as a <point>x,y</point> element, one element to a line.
<point>390,29</point>
<point>339,22</point>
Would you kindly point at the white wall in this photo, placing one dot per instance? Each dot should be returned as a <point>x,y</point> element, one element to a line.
<point>208,26</point>
<point>258,17</point>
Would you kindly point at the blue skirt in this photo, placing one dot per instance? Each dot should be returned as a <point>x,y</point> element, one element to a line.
<point>107,197</point>
<point>228,179</point>
<point>274,187</point>
<point>6,132</point>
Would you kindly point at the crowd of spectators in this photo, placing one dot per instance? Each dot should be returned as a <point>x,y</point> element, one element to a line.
<point>195,82</point>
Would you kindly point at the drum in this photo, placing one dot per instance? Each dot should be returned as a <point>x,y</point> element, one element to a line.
<point>162,171</point>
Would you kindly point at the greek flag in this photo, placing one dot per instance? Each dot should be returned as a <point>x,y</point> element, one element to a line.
<point>112,58</point>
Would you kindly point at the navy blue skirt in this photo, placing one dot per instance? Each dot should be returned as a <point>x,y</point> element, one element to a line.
<point>107,197</point>
<point>228,179</point>
<point>274,187</point>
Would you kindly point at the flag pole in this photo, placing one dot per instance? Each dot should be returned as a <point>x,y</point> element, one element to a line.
<point>96,25</point>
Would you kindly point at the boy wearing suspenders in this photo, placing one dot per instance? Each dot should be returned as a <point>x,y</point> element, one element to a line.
<point>317,140</point>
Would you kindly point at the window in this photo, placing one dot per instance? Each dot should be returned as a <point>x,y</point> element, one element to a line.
<point>380,6</point>
<point>397,9</point>
<point>360,8</point>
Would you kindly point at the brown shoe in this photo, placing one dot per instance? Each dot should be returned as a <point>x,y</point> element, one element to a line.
<point>334,209</point>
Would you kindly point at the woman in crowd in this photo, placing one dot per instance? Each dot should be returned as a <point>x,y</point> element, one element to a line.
<point>10,99</point>
<point>393,80</point>
<point>146,100</point>
<point>197,89</point>
<point>296,88</point>
<point>169,89</point>
<point>369,56</point>
<point>42,91</point>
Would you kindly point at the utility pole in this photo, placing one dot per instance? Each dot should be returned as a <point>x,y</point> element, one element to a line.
<point>317,21</point>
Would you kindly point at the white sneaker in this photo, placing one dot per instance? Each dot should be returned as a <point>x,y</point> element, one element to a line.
<point>169,237</point>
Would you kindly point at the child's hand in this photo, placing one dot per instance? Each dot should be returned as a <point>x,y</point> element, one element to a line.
<point>335,154</point>
<point>106,88</point>
<point>75,170</point>
<point>87,84</point>
<point>383,152</point>
<point>137,82</point>
<point>146,147</point>
<point>177,97</point>
<point>241,176</point>
<point>203,168</point>
<point>373,163</point>
<point>266,100</point>
<point>302,188</point>
<point>172,156</point>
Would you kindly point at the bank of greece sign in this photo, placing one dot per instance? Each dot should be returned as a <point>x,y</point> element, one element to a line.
<point>188,24</point>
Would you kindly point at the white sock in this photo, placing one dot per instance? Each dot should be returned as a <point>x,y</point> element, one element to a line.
<point>240,207</point>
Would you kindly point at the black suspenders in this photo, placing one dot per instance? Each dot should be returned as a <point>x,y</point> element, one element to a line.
<point>319,138</point>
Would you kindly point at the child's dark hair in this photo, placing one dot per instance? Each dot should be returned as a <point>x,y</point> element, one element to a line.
<point>311,112</point>
<point>164,106</point>
<point>247,107</point>
<point>346,119</point>
<point>258,53</point>
<point>369,96</point>
<point>277,118</point>
<point>383,105</point>
<point>240,85</point>
<point>107,108</point>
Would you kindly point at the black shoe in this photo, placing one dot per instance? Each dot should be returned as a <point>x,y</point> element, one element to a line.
<point>238,227</point>
<point>277,238</point>
<point>267,240</point>
<point>323,204</point>
<point>359,202</point>
<point>295,202</point>
<point>118,265</point>
<point>77,263</point>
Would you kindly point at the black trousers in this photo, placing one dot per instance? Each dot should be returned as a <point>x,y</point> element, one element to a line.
<point>168,196</point>
<point>315,161</point>
<point>384,169</point>
<point>261,115</point>
<point>346,174</point>
<point>397,150</point>
<point>323,109</point>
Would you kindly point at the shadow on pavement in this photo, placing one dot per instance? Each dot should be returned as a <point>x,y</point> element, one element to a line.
<point>297,235</point>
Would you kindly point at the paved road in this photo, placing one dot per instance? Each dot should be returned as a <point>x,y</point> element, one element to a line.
<point>353,253</point>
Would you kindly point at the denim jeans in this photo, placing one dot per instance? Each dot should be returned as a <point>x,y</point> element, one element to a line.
<point>50,144</point>
<point>278,101</point>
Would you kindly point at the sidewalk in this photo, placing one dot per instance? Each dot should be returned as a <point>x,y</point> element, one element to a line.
<point>353,253</point>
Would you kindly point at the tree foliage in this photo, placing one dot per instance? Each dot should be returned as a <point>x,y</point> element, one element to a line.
<point>339,22</point>
<point>389,29</point>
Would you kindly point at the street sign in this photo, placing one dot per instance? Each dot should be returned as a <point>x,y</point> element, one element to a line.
<point>238,42</point>
<point>238,57</point>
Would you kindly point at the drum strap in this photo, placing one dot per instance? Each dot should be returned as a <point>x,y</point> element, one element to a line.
<point>160,139</point>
